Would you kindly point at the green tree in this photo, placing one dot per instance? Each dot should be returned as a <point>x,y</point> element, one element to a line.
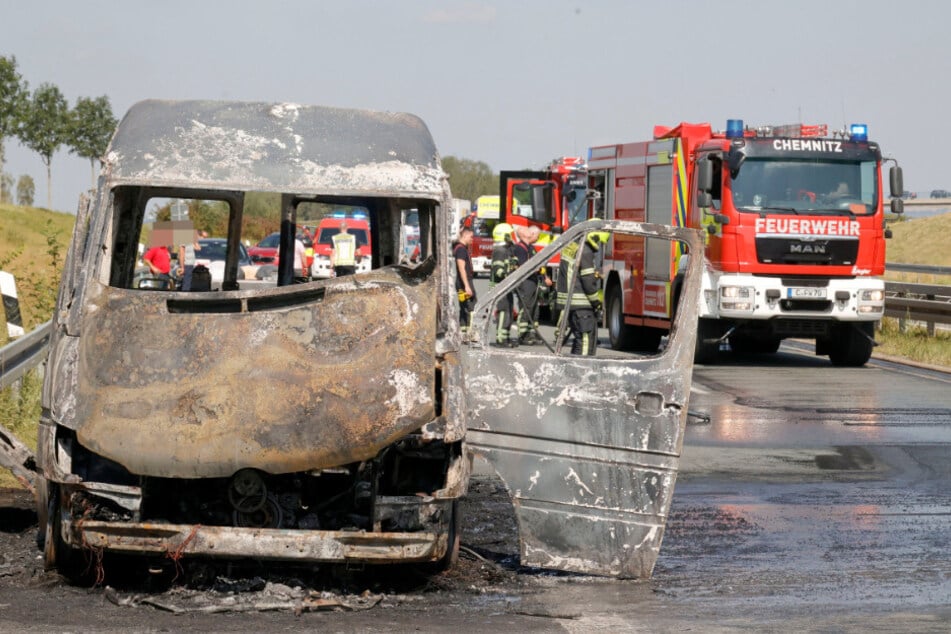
<point>26,189</point>
<point>14,99</point>
<point>91,126</point>
<point>6,188</point>
<point>45,128</point>
<point>470,179</point>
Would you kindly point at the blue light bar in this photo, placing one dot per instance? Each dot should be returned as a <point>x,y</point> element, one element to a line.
<point>734,128</point>
<point>858,132</point>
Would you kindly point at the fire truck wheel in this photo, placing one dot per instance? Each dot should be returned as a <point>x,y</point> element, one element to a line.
<point>745,344</point>
<point>851,344</point>
<point>622,336</point>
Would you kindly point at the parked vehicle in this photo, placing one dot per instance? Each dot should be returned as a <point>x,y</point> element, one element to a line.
<point>307,422</point>
<point>212,255</point>
<point>326,421</point>
<point>266,252</point>
<point>795,242</point>
<point>482,220</point>
<point>551,199</point>
<point>940,193</point>
<point>321,268</point>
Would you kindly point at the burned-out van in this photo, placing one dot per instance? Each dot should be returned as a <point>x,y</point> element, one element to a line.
<point>310,421</point>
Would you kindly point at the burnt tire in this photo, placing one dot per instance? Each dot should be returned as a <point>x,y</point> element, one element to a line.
<point>57,554</point>
<point>851,344</point>
<point>454,540</point>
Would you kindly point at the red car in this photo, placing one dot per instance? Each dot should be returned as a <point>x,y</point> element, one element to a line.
<point>266,251</point>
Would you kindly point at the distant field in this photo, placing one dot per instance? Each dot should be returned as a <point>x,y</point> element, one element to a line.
<point>33,246</point>
<point>920,241</point>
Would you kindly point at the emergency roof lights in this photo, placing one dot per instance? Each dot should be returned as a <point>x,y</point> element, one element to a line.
<point>734,128</point>
<point>858,132</point>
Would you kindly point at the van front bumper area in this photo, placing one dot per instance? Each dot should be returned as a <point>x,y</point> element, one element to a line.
<point>313,546</point>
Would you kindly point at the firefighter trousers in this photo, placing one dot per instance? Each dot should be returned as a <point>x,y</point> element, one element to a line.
<point>504,316</point>
<point>583,326</point>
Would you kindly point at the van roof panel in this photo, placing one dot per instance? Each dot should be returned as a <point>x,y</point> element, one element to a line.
<point>281,147</point>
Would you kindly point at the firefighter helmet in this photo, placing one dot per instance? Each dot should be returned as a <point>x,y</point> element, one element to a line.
<point>502,232</point>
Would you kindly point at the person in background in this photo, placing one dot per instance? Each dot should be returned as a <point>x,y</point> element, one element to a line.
<point>343,257</point>
<point>301,272</point>
<point>503,263</point>
<point>159,261</point>
<point>585,304</point>
<point>527,292</point>
<point>186,262</point>
<point>464,278</point>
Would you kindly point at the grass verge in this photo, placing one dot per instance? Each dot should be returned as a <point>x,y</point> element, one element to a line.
<point>914,343</point>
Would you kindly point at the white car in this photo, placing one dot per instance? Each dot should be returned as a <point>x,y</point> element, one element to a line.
<point>212,255</point>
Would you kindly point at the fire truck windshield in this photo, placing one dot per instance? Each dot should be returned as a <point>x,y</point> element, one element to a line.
<point>577,205</point>
<point>806,186</point>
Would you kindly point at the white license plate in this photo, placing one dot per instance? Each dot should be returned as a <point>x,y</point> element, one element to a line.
<point>808,293</point>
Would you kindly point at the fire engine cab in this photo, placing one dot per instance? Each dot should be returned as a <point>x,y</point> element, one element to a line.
<point>551,199</point>
<point>794,228</point>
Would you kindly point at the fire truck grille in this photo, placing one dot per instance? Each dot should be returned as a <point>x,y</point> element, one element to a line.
<point>800,327</point>
<point>814,251</point>
<point>805,305</point>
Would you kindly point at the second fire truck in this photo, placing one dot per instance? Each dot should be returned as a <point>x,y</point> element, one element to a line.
<point>795,237</point>
<point>551,199</point>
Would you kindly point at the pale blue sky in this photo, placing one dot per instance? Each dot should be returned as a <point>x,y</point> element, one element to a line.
<point>510,83</point>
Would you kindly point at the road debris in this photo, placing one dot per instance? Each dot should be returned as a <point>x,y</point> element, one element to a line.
<point>268,597</point>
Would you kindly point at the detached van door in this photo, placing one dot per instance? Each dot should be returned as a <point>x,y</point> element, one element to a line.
<point>588,447</point>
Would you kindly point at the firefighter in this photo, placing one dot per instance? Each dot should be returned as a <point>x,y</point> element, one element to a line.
<point>527,291</point>
<point>343,257</point>
<point>585,302</point>
<point>503,263</point>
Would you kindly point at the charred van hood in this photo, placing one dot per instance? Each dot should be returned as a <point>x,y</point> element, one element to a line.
<point>302,377</point>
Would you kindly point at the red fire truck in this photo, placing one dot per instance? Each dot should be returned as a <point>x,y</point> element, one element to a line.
<point>551,199</point>
<point>794,228</point>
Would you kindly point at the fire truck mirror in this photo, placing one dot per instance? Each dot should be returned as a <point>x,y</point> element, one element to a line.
<point>704,180</point>
<point>898,206</point>
<point>734,159</point>
<point>542,206</point>
<point>704,199</point>
<point>896,182</point>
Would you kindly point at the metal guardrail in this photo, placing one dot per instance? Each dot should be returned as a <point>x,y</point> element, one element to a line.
<point>918,268</point>
<point>16,359</point>
<point>928,303</point>
<point>24,353</point>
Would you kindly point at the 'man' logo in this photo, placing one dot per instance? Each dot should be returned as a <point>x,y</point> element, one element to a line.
<point>815,247</point>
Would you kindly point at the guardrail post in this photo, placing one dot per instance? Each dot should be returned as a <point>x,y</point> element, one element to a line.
<point>930,324</point>
<point>11,305</point>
